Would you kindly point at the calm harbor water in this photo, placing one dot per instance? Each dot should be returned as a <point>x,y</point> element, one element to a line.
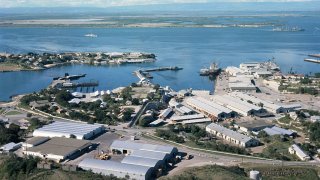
<point>190,48</point>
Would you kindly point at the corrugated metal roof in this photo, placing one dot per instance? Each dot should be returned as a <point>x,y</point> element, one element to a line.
<point>228,132</point>
<point>113,166</point>
<point>208,106</point>
<point>149,154</point>
<point>271,132</point>
<point>142,161</point>
<point>255,100</point>
<point>277,130</point>
<point>299,151</point>
<point>181,118</point>
<point>140,146</point>
<point>193,121</point>
<point>57,127</point>
<point>235,104</point>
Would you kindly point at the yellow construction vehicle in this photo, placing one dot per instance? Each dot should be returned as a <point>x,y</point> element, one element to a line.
<point>103,156</point>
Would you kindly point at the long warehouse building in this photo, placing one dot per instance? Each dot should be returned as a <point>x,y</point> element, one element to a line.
<point>120,170</point>
<point>68,130</point>
<point>274,108</point>
<point>127,147</point>
<point>210,108</point>
<point>231,136</point>
<point>241,107</point>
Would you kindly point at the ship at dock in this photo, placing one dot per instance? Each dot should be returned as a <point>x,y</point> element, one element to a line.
<point>213,70</point>
<point>287,29</point>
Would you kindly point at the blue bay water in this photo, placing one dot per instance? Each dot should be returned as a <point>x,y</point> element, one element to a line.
<point>190,48</point>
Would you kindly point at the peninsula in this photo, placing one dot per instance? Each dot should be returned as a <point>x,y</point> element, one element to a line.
<point>35,61</point>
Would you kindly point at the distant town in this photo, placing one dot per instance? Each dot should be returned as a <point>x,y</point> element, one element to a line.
<point>257,119</point>
<point>35,61</point>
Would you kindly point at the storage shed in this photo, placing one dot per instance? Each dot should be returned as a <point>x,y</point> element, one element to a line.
<point>120,170</point>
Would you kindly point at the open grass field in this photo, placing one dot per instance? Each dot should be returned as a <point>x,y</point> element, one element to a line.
<point>9,67</point>
<point>210,172</point>
<point>13,113</point>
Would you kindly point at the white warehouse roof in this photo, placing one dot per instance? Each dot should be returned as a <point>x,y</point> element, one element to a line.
<point>149,154</point>
<point>66,129</point>
<point>271,106</point>
<point>208,106</point>
<point>104,167</point>
<point>141,161</point>
<point>228,132</point>
<point>140,146</point>
<point>235,104</point>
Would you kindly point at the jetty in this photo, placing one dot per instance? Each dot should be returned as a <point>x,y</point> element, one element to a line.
<point>145,76</point>
<point>314,55</point>
<point>312,60</point>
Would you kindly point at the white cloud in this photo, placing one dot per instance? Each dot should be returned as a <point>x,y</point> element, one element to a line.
<point>108,3</point>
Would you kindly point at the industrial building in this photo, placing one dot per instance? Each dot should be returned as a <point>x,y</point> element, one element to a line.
<point>151,155</point>
<point>120,170</point>
<point>295,149</point>
<point>165,113</point>
<point>143,161</point>
<point>10,147</point>
<point>127,147</point>
<point>210,108</point>
<point>278,131</point>
<point>35,141</point>
<point>274,108</point>
<point>253,126</point>
<point>231,136</point>
<point>241,83</point>
<point>237,105</point>
<point>249,66</point>
<point>58,148</point>
<point>233,71</point>
<point>68,130</point>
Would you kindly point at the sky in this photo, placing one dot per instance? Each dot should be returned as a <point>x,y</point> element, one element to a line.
<point>110,3</point>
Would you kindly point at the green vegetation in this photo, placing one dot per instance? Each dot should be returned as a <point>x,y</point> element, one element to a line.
<point>283,173</point>
<point>35,123</point>
<point>286,119</point>
<point>314,132</point>
<point>13,167</point>
<point>13,113</point>
<point>17,168</point>
<point>277,148</point>
<point>11,134</point>
<point>197,137</point>
<point>209,172</point>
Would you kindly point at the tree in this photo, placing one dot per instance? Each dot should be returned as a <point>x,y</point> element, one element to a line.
<point>29,114</point>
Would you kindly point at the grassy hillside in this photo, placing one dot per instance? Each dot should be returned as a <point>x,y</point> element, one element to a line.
<point>212,172</point>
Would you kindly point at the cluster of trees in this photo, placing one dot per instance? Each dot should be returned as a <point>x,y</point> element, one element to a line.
<point>25,100</point>
<point>35,123</point>
<point>217,146</point>
<point>62,98</point>
<point>169,135</point>
<point>11,134</point>
<point>314,132</point>
<point>18,168</point>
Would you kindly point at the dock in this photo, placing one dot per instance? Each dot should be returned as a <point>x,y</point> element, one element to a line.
<point>314,55</point>
<point>145,76</point>
<point>312,60</point>
<point>76,85</point>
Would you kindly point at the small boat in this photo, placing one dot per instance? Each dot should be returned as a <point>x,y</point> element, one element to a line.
<point>91,35</point>
<point>213,70</point>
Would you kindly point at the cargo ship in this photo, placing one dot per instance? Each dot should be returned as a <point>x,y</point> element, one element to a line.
<point>213,70</point>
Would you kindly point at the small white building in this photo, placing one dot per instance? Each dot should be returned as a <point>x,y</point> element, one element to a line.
<point>314,118</point>
<point>295,149</point>
<point>10,147</point>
